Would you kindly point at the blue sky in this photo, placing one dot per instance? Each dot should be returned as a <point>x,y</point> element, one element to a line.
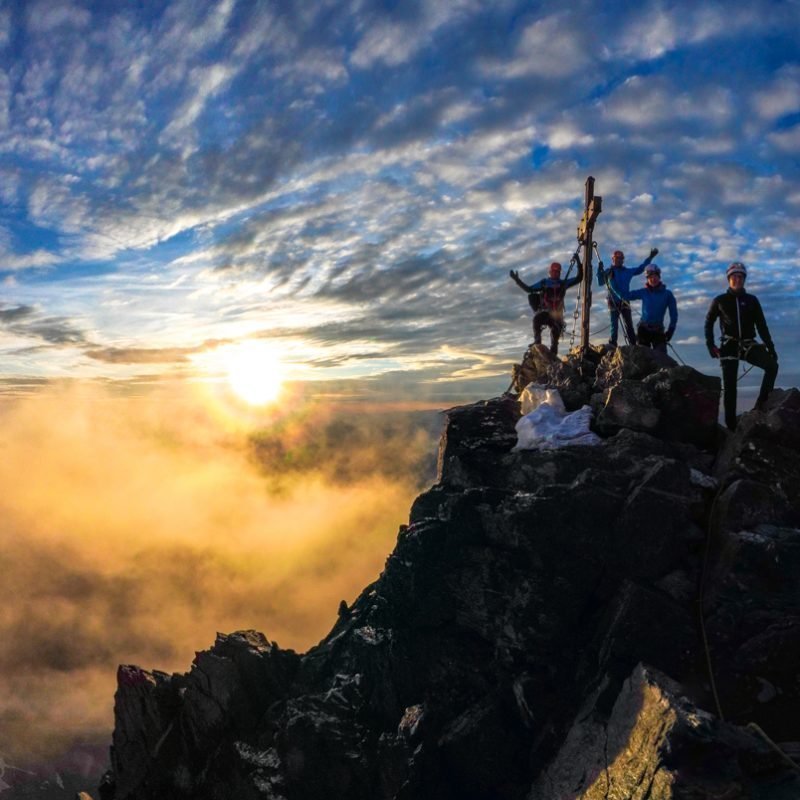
<point>352,181</point>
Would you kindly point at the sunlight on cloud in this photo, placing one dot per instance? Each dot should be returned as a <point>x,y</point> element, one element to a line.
<point>136,528</point>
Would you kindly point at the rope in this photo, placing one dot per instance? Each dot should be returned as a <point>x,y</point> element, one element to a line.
<point>669,344</point>
<point>757,728</point>
<point>616,302</point>
<point>700,612</point>
<point>700,602</point>
<point>744,372</point>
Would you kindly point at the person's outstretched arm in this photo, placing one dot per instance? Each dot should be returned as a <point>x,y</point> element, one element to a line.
<point>568,284</point>
<point>602,275</point>
<point>641,268</point>
<point>522,285</point>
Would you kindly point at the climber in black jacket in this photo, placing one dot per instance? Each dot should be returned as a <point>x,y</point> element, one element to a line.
<point>740,316</point>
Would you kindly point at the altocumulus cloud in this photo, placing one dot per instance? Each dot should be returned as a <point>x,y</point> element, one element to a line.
<point>319,156</point>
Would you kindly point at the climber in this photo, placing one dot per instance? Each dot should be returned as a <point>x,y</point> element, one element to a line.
<point>656,301</point>
<point>740,317</point>
<point>546,298</point>
<point>617,279</point>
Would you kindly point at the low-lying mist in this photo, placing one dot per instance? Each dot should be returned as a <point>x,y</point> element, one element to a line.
<point>136,527</point>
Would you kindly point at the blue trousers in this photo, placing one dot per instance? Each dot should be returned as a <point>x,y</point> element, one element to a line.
<point>614,312</point>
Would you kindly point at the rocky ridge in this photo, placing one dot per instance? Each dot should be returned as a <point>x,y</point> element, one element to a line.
<point>539,630</point>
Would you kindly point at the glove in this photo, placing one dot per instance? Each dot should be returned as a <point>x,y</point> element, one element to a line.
<point>654,252</point>
<point>513,274</point>
<point>669,335</point>
<point>713,352</point>
<point>771,351</point>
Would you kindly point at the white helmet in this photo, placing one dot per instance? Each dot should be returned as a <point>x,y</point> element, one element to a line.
<point>737,268</point>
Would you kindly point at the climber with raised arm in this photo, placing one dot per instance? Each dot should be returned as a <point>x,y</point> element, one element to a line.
<point>546,298</point>
<point>657,300</point>
<point>617,279</point>
<point>740,316</point>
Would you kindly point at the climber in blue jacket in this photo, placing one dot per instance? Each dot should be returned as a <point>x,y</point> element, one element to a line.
<point>618,279</point>
<point>656,301</point>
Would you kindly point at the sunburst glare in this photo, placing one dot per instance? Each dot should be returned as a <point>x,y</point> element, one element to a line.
<point>254,372</point>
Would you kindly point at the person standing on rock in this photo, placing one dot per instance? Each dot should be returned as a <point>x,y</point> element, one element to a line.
<point>546,298</point>
<point>656,301</point>
<point>740,317</point>
<point>617,279</point>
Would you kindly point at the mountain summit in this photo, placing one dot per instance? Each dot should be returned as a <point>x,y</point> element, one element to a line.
<point>610,621</point>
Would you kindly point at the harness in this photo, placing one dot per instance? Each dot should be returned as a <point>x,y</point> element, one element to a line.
<point>553,298</point>
<point>743,346</point>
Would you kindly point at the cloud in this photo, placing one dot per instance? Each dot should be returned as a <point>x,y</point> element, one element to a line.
<point>135,527</point>
<point>141,355</point>
<point>552,47</point>
<point>28,322</point>
<point>656,30</point>
<point>5,27</point>
<point>13,314</point>
<point>393,39</point>
<point>648,102</point>
<point>780,96</point>
<point>205,82</point>
<point>788,140</point>
<point>45,16</point>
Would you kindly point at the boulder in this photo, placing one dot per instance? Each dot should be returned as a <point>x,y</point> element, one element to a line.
<point>688,402</point>
<point>627,404</point>
<point>658,744</point>
<point>629,363</point>
<point>573,376</point>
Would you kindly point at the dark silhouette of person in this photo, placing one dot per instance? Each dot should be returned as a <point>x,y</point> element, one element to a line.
<point>740,317</point>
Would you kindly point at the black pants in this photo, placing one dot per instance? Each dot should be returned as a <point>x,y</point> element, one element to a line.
<point>553,321</point>
<point>652,337</point>
<point>758,356</point>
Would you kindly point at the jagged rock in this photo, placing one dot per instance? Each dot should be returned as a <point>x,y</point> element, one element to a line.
<point>573,376</point>
<point>494,658</point>
<point>688,402</point>
<point>629,363</point>
<point>752,618</point>
<point>145,706</point>
<point>764,447</point>
<point>482,427</point>
<point>627,404</point>
<point>178,719</point>
<point>657,744</point>
<point>535,367</point>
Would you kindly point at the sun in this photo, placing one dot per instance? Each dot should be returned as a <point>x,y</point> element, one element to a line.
<point>254,372</point>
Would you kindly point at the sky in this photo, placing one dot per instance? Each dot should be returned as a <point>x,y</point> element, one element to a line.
<point>335,191</point>
<point>351,182</point>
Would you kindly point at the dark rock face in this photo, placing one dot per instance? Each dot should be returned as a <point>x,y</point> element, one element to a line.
<point>535,633</point>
